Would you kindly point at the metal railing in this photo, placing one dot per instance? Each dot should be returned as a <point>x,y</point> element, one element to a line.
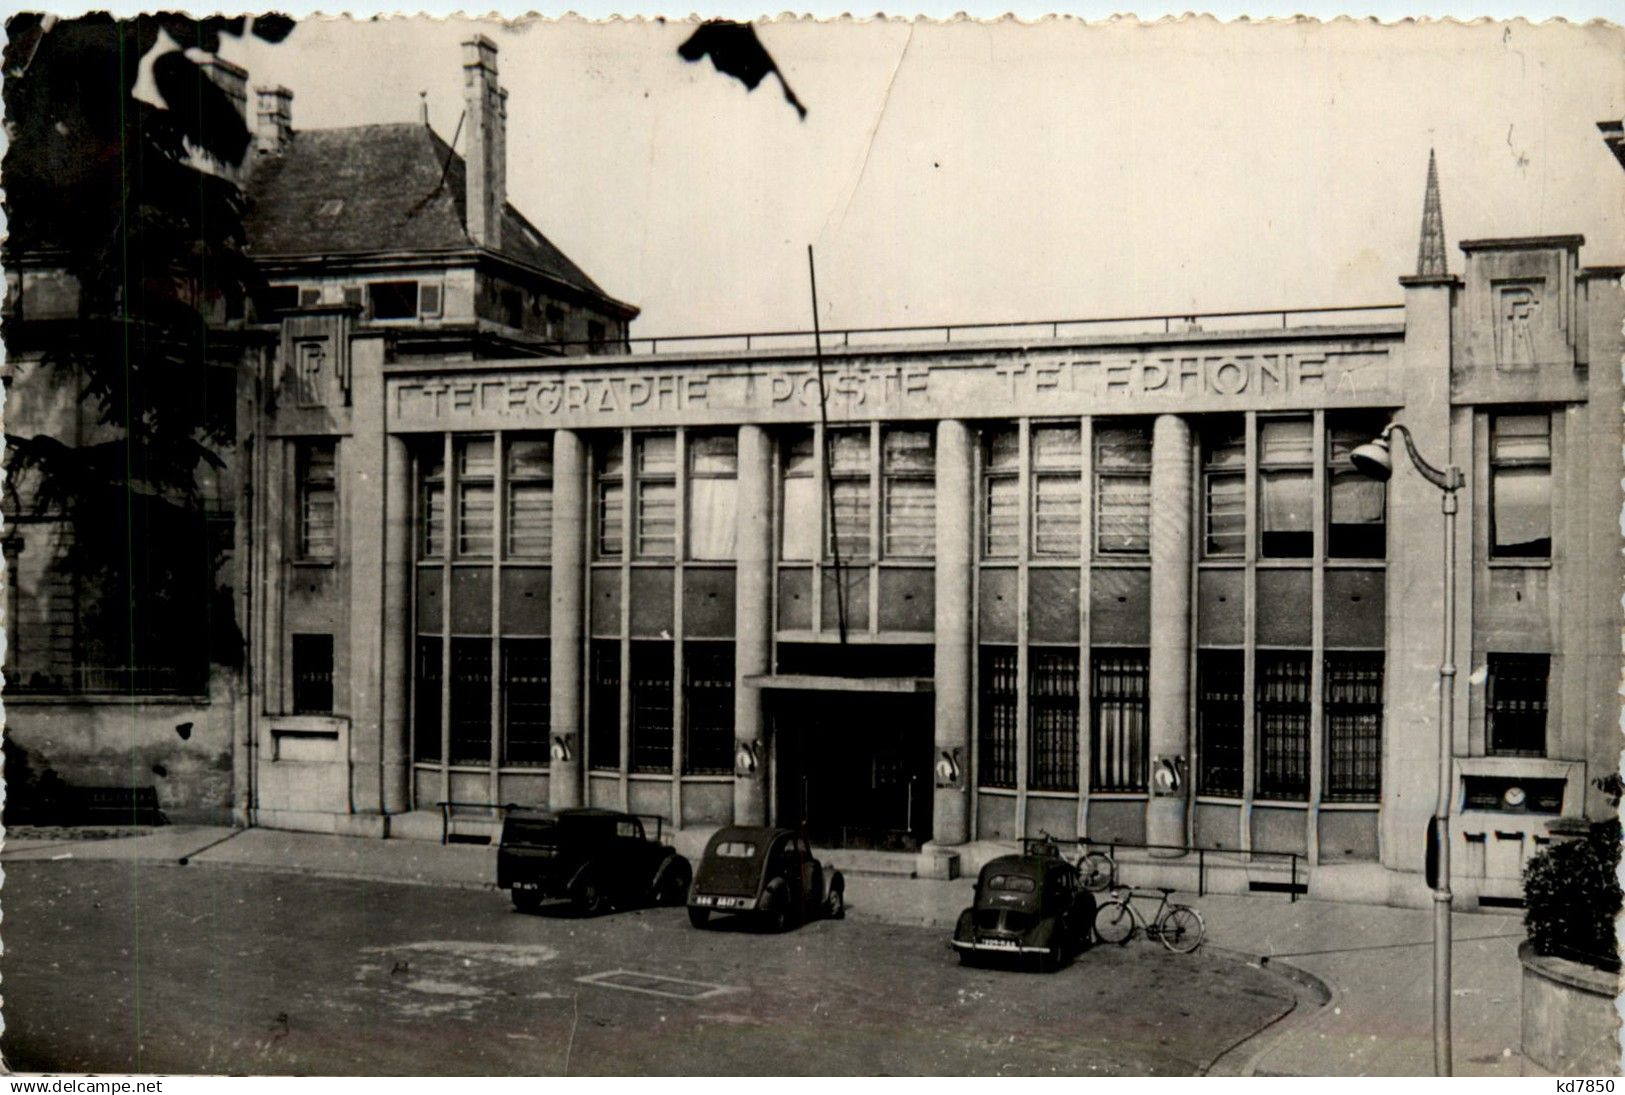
<point>1292,889</point>
<point>945,333</point>
<point>447,806</point>
<point>137,680</point>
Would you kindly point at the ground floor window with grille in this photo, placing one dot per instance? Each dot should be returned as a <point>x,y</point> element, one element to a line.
<point>1515,704</point>
<point>604,705</point>
<point>1282,694</point>
<point>312,674</point>
<point>1220,722</point>
<point>1052,711</point>
<point>997,700</point>
<point>1120,717</point>
<point>526,701</point>
<point>470,688</point>
<point>649,717</point>
<point>120,598</point>
<point>1353,690</point>
<point>708,706</point>
<point>426,701</point>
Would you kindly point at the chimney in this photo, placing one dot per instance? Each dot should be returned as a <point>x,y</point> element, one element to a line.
<point>274,125</point>
<point>486,105</point>
<point>231,79</point>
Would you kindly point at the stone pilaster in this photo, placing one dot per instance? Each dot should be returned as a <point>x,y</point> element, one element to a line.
<point>397,670</point>
<point>361,465</point>
<point>956,504</point>
<point>1170,624</point>
<point>568,608</point>
<point>1410,747</point>
<point>753,621</point>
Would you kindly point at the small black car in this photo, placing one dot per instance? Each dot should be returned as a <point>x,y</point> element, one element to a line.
<point>768,873</point>
<point>598,859</point>
<point>1031,904</point>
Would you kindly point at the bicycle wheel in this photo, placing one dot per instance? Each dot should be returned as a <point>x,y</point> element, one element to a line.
<point>1181,929</point>
<point>1114,923</point>
<point>1097,871</point>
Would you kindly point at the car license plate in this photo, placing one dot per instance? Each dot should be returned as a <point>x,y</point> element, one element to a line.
<point>526,886</point>
<point>1000,944</point>
<point>704,899</point>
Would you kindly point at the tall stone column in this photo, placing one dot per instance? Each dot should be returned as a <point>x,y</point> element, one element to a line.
<point>1170,624</point>
<point>568,608</point>
<point>398,628</point>
<point>753,621</point>
<point>1410,753</point>
<point>956,503</point>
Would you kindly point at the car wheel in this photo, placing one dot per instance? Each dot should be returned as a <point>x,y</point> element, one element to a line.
<point>777,915</point>
<point>526,901</point>
<point>591,898</point>
<point>969,958</point>
<point>674,887</point>
<point>698,917</point>
<point>837,905</point>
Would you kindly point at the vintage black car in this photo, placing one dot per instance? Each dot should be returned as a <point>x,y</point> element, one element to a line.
<point>1033,904</point>
<point>767,873</point>
<point>598,859</point>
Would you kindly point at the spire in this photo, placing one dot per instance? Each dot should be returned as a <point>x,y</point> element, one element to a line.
<point>1430,259</point>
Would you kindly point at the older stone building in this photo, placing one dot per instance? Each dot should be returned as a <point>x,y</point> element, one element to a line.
<point>377,231</point>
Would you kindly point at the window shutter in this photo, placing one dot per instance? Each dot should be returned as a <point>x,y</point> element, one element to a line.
<point>429,299</point>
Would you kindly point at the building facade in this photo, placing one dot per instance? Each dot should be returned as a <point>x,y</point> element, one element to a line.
<point>1114,579</point>
<point>921,590</point>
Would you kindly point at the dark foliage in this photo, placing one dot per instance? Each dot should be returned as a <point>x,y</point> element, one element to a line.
<point>34,796</point>
<point>106,187</point>
<point>1572,893</point>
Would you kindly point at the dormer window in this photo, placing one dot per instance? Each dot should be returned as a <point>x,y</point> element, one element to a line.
<point>392,300</point>
<point>281,298</point>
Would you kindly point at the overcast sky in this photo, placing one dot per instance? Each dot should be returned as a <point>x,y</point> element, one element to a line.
<point>967,172</point>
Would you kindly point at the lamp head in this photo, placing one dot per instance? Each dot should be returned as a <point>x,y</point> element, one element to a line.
<point>1373,459</point>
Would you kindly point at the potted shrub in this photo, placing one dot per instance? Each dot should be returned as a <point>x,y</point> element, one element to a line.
<point>1571,959</point>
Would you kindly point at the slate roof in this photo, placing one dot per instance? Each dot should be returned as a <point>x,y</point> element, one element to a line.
<point>370,188</point>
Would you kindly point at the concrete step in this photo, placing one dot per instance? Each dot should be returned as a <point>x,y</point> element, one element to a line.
<point>858,861</point>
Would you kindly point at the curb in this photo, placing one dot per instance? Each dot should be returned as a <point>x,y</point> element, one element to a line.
<point>327,872</point>
<point>1311,999</point>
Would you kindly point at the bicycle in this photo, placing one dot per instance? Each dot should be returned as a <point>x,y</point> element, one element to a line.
<point>1178,927</point>
<point>1098,871</point>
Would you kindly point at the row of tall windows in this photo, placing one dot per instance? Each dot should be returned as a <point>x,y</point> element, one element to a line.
<point>1520,493</point>
<point>1352,698</point>
<point>1356,520</point>
<point>635,500</point>
<point>523,695</point>
<point>1119,717</point>
<point>896,497</point>
<point>708,706</point>
<point>457,514</point>
<point>1122,491</point>
<point>1118,709</point>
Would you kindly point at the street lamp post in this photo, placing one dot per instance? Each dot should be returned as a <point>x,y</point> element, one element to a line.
<point>1375,460</point>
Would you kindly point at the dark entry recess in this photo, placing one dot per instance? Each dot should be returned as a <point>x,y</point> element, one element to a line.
<point>854,768</point>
